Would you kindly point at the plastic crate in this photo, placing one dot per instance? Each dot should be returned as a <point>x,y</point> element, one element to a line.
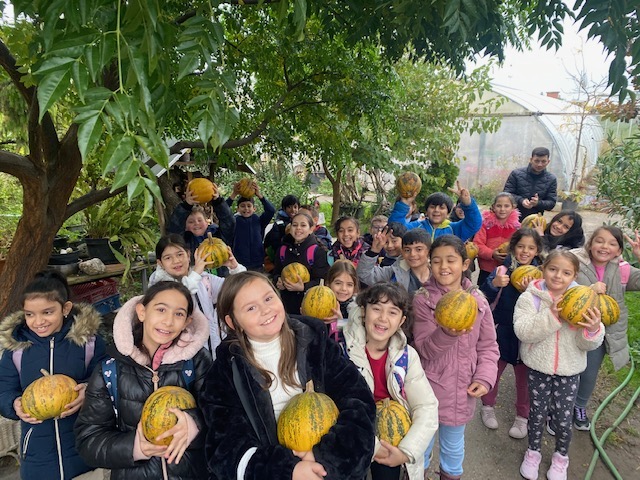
<point>91,292</point>
<point>108,304</point>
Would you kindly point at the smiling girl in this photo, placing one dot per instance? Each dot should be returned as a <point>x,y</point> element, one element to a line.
<point>349,245</point>
<point>564,231</point>
<point>343,281</point>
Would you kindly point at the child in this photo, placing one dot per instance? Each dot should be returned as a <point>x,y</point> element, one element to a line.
<point>524,247</point>
<point>461,365</point>
<point>265,360</point>
<point>498,224</point>
<point>555,352</point>
<point>411,272</point>
<point>320,231</point>
<point>378,346</point>
<point>343,281</point>
<point>392,251</point>
<point>601,268</point>
<point>378,222</point>
<point>247,242</point>
<point>53,334</point>
<point>172,257</point>
<point>437,209</point>
<point>349,245</point>
<point>158,341</point>
<point>300,245</point>
<point>564,231</point>
<point>273,239</point>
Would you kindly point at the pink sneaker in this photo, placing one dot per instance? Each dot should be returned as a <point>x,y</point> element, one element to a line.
<point>558,468</point>
<point>530,465</point>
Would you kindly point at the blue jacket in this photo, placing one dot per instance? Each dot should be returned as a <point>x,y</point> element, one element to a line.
<point>41,448</point>
<point>464,229</point>
<point>247,243</point>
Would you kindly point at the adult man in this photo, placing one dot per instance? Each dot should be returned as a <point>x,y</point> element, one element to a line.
<point>533,186</point>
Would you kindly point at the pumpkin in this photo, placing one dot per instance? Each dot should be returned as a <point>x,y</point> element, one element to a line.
<point>533,220</point>
<point>245,187</point>
<point>306,419</point>
<point>575,302</point>
<point>202,189</point>
<point>457,310</point>
<point>609,309</point>
<point>408,185</point>
<point>524,271</point>
<point>503,248</point>
<point>319,302</point>
<point>392,421</point>
<point>291,272</point>
<point>47,396</point>
<point>156,417</point>
<point>215,251</point>
<point>472,250</point>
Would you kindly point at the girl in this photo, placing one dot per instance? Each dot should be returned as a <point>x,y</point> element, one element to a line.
<point>564,231</point>
<point>172,257</point>
<point>498,224</point>
<point>49,333</point>
<point>555,352</point>
<point>461,365</point>
<point>377,345</point>
<point>266,359</point>
<point>349,245</point>
<point>343,281</point>
<point>300,245</point>
<point>158,341</point>
<point>601,268</point>
<point>524,247</point>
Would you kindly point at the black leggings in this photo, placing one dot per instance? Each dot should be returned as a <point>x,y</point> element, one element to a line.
<point>382,472</point>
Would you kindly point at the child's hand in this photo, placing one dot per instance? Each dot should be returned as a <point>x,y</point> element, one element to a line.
<point>537,224</point>
<point>599,287</point>
<point>306,470</point>
<point>452,332</point>
<point>500,280</point>
<point>146,447</point>
<point>180,440</point>
<point>477,390</point>
<point>280,283</point>
<point>216,192</point>
<point>554,306</point>
<point>592,320</point>
<point>256,187</point>
<point>635,244</point>
<point>393,457</point>
<point>236,190</point>
<point>498,256</point>
<point>336,314</point>
<point>200,262</point>
<point>379,240</point>
<point>462,193</point>
<point>231,262</point>
<point>524,283</point>
<point>74,406</point>
<point>306,456</point>
<point>294,287</point>
<point>17,406</point>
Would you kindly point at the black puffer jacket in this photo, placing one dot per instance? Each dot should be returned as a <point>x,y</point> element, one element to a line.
<point>106,441</point>
<point>345,451</point>
<point>524,183</point>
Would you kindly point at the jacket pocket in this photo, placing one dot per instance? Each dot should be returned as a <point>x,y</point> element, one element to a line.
<point>25,443</point>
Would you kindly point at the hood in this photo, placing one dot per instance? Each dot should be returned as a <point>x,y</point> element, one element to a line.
<point>354,332</point>
<point>190,341</point>
<point>14,334</point>
<point>489,219</point>
<point>539,289</point>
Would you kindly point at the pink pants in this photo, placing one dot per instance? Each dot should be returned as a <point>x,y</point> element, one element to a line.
<point>522,391</point>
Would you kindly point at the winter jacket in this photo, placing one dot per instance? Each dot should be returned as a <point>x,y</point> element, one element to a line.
<point>616,335</point>
<point>48,449</point>
<point>338,251</point>
<point>454,363</point>
<point>247,242</point>
<point>297,252</point>
<point>273,239</point>
<point>240,415</point>
<point>548,344</point>
<point>503,312</point>
<point>370,273</point>
<point>415,394</point>
<point>106,440</point>
<point>464,229</point>
<point>523,183</point>
<point>491,235</point>
<point>324,236</point>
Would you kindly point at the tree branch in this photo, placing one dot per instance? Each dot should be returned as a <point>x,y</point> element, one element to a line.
<point>9,64</point>
<point>16,165</point>
<point>91,198</point>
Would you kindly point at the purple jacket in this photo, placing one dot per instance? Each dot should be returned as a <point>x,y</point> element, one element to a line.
<point>453,363</point>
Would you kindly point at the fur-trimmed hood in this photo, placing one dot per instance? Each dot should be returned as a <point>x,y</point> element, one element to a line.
<point>489,220</point>
<point>190,341</point>
<point>15,335</point>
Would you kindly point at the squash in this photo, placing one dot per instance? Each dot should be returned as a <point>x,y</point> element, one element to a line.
<point>408,184</point>
<point>291,272</point>
<point>202,189</point>
<point>156,417</point>
<point>575,302</point>
<point>319,302</point>
<point>503,248</point>
<point>392,421</point>
<point>530,221</point>
<point>472,250</point>
<point>306,419</point>
<point>609,309</point>
<point>47,396</point>
<point>457,310</point>
<point>215,251</point>
<point>524,271</point>
<point>245,187</point>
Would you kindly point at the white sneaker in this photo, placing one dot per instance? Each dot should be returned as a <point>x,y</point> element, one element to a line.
<point>488,415</point>
<point>530,465</point>
<point>559,467</point>
<point>519,428</point>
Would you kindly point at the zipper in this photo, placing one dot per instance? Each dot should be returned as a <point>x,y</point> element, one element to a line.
<point>55,420</point>
<point>25,443</point>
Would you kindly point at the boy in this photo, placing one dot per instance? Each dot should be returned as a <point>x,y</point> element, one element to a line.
<point>412,271</point>
<point>377,224</point>
<point>273,239</point>
<point>438,206</point>
<point>247,246</point>
<point>393,247</point>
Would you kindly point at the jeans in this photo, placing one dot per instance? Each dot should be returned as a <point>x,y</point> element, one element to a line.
<point>451,449</point>
<point>590,375</point>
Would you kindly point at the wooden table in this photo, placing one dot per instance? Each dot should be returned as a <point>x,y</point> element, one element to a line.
<point>114,271</point>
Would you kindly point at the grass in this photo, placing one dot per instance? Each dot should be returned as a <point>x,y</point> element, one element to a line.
<point>632,299</point>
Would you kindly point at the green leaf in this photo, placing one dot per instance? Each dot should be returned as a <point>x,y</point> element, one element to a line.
<point>119,149</point>
<point>53,64</point>
<point>51,88</point>
<point>188,64</point>
<point>89,134</point>
<point>206,128</point>
<point>80,79</point>
<point>152,185</point>
<point>134,188</point>
<point>125,173</point>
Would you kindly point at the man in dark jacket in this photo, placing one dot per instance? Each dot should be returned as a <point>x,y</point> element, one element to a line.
<point>533,186</point>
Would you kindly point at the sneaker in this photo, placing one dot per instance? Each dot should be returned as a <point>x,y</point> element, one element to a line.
<point>530,465</point>
<point>550,429</point>
<point>558,468</point>
<point>488,415</point>
<point>519,428</point>
<point>580,419</point>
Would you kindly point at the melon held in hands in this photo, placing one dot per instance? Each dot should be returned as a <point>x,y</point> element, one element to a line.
<point>392,421</point>
<point>245,188</point>
<point>408,184</point>
<point>319,302</point>
<point>533,220</point>
<point>521,273</point>
<point>609,309</point>
<point>202,189</point>
<point>576,301</point>
<point>472,250</point>
<point>457,310</point>
<point>291,272</point>
<point>214,250</point>
<point>156,417</point>
<point>47,396</point>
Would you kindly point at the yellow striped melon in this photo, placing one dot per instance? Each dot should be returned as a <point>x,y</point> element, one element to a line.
<point>392,421</point>
<point>457,310</point>
<point>609,309</point>
<point>156,417</point>
<point>214,250</point>
<point>47,396</point>
<point>291,272</point>
<point>319,302</point>
<point>522,272</point>
<point>472,250</point>
<point>202,189</point>
<point>503,248</point>
<point>408,184</point>
<point>245,187</point>
<point>533,220</point>
<point>576,301</point>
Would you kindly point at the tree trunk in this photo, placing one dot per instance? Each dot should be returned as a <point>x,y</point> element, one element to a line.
<point>336,189</point>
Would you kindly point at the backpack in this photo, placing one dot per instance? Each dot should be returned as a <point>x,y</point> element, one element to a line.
<point>89,350</point>
<point>310,253</point>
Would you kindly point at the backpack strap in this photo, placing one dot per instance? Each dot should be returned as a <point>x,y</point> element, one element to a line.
<point>110,377</point>
<point>625,272</point>
<point>188,372</point>
<point>400,370</point>
<point>311,252</point>
<point>89,351</point>
<point>17,359</point>
<point>281,253</point>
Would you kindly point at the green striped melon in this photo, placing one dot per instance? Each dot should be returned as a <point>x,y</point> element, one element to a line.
<point>47,396</point>
<point>457,310</point>
<point>392,421</point>
<point>524,271</point>
<point>291,272</point>
<point>609,309</point>
<point>215,251</point>
<point>156,417</point>
<point>319,302</point>
<point>576,301</point>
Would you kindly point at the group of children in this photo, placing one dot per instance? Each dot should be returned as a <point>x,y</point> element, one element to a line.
<point>239,345</point>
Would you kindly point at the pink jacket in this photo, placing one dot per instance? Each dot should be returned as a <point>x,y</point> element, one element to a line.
<point>491,235</point>
<point>453,363</point>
